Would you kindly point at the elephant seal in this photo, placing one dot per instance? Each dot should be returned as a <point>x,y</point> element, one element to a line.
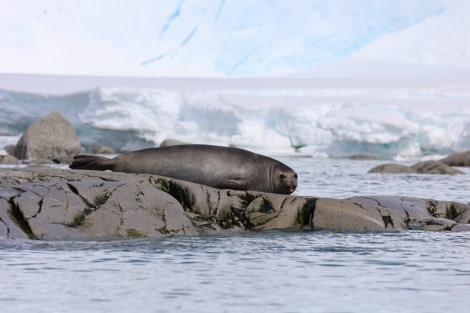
<point>214,166</point>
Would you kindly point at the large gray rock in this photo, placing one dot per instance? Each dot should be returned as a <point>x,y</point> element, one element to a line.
<point>52,138</point>
<point>458,159</point>
<point>48,203</point>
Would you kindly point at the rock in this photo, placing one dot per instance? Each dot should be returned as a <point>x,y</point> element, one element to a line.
<point>362,157</point>
<point>391,168</point>
<point>425,167</point>
<point>101,149</point>
<point>421,214</point>
<point>35,162</point>
<point>8,159</point>
<point>50,203</point>
<point>333,214</point>
<point>412,208</point>
<point>172,142</point>
<point>52,138</point>
<point>458,159</point>
<point>434,167</point>
<point>10,149</point>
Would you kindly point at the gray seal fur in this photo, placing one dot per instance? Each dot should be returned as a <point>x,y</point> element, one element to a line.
<point>214,166</point>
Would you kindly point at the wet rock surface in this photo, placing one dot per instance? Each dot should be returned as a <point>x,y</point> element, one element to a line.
<point>49,203</point>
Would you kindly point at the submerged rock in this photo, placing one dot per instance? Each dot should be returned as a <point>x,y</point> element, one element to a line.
<point>51,138</point>
<point>48,203</point>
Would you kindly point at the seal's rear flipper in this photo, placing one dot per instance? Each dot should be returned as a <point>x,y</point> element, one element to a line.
<point>91,162</point>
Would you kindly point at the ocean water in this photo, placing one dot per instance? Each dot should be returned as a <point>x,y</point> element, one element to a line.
<point>275,271</point>
<point>341,178</point>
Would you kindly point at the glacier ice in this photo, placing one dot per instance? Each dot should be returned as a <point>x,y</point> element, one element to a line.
<point>223,37</point>
<point>337,120</point>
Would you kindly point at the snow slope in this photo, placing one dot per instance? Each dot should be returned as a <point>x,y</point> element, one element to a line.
<point>225,37</point>
<point>441,40</point>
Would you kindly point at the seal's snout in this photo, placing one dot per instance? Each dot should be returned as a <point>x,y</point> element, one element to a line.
<point>293,183</point>
<point>288,182</point>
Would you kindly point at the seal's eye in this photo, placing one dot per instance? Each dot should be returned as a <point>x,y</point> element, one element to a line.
<point>295,176</point>
<point>282,176</point>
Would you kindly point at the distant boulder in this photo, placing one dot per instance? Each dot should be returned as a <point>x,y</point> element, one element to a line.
<point>101,149</point>
<point>8,159</point>
<point>434,167</point>
<point>425,167</point>
<point>362,157</point>
<point>391,168</point>
<point>52,138</point>
<point>10,149</point>
<point>458,159</point>
<point>172,142</point>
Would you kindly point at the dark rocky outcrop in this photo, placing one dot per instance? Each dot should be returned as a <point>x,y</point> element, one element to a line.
<point>425,167</point>
<point>458,159</point>
<point>52,138</point>
<point>48,203</point>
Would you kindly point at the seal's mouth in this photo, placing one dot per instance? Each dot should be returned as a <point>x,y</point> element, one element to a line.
<point>291,190</point>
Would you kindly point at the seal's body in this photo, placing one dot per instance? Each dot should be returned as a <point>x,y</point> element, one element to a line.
<point>215,166</point>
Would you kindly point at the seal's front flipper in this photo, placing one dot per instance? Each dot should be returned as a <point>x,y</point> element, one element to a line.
<point>232,184</point>
<point>91,162</point>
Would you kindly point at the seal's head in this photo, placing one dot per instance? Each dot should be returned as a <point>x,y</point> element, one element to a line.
<point>285,180</point>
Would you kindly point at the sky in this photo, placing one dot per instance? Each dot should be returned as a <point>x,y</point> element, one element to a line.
<point>226,38</point>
